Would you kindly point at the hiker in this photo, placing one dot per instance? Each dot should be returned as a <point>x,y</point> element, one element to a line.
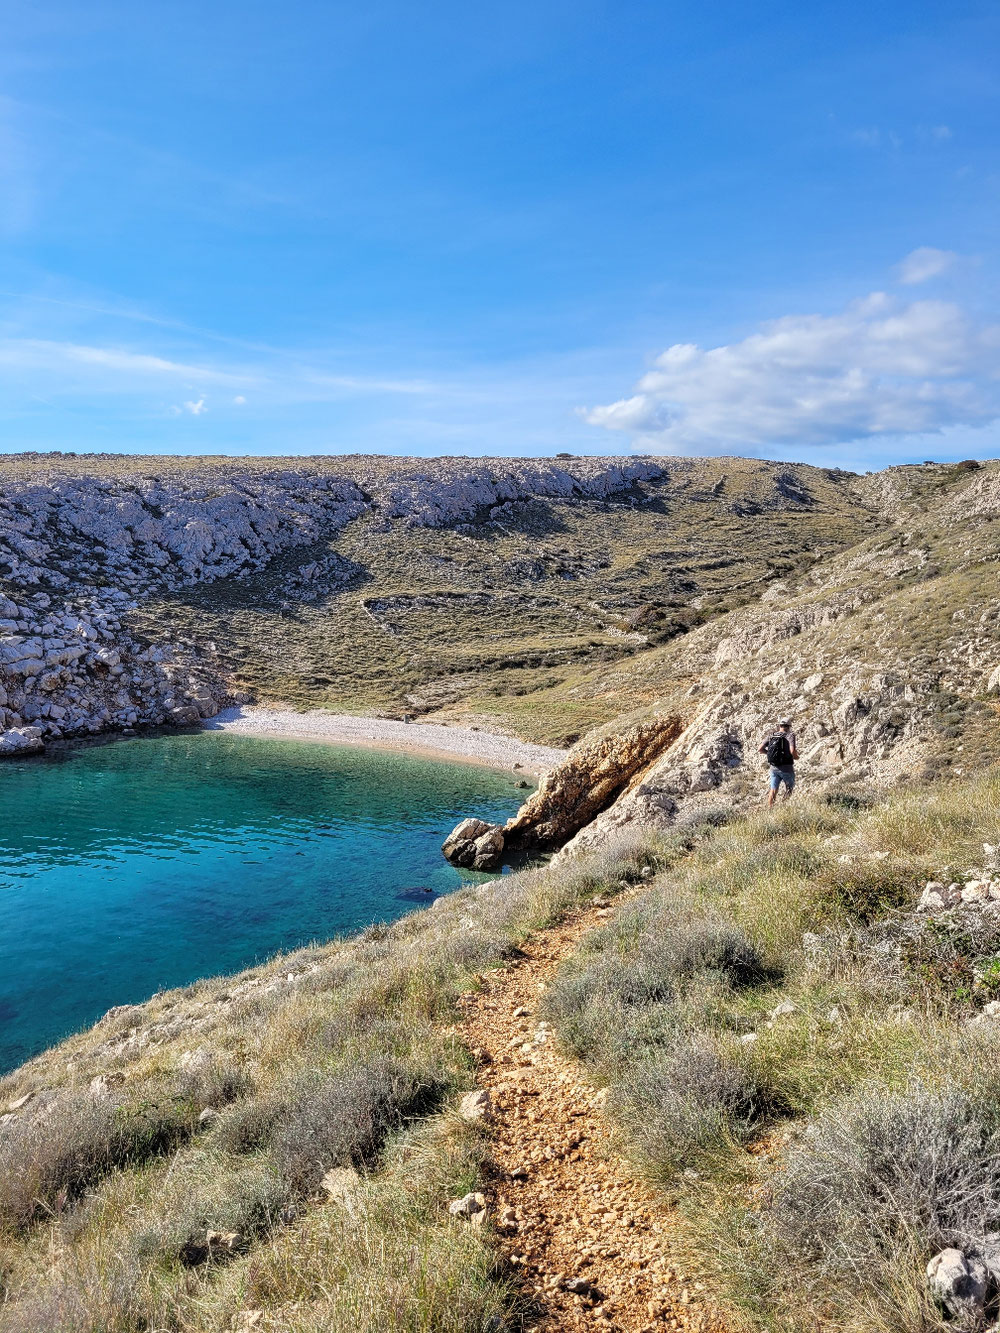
<point>781,755</point>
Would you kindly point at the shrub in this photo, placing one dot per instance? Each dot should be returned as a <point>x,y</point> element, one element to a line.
<point>689,1103</point>
<point>622,994</point>
<point>344,1119</point>
<point>882,1182</point>
<point>215,1083</point>
<point>47,1161</point>
<point>868,890</point>
<point>701,819</point>
<point>249,1125</point>
<point>249,1201</point>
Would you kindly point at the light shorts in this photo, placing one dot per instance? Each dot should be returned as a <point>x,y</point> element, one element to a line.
<point>784,775</point>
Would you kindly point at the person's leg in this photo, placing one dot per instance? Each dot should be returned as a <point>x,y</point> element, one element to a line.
<point>789,781</point>
<point>772,791</point>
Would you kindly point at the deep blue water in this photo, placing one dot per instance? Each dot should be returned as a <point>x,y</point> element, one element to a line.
<point>132,867</point>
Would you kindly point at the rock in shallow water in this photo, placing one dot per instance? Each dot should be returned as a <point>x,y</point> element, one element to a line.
<point>475,844</point>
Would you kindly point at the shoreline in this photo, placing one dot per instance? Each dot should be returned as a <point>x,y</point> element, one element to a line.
<point>433,740</point>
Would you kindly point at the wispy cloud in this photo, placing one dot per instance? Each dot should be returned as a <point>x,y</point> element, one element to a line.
<point>924,263</point>
<point>873,137</point>
<point>128,366</point>
<point>878,368</point>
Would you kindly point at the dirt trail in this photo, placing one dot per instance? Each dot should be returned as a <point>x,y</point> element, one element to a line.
<point>567,1208</point>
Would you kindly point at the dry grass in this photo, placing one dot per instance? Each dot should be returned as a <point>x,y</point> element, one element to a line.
<point>842,1033</point>
<point>348,1065</point>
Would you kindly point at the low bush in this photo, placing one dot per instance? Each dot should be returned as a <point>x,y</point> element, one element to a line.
<point>881,1183</point>
<point>105,1297</point>
<point>868,890</point>
<point>688,1104</point>
<point>344,1119</point>
<point>619,995</point>
<point>48,1160</point>
<point>249,1125</point>
<point>215,1083</point>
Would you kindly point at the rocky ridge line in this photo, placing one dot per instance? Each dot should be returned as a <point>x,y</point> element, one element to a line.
<point>78,552</point>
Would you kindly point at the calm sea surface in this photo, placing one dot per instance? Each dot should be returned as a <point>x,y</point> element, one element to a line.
<point>131,867</point>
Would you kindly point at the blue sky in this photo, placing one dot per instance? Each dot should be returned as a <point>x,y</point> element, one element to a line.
<point>435,227</point>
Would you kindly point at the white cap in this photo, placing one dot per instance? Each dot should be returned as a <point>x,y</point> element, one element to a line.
<point>784,721</point>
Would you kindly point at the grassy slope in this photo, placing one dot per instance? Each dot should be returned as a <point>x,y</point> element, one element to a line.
<point>105,1203</point>
<point>824,1160</point>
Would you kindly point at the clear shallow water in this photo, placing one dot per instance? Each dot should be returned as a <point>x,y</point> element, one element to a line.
<point>144,864</point>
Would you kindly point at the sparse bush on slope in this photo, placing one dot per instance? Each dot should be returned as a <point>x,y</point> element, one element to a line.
<point>689,1104</point>
<point>344,1119</point>
<point>883,1179</point>
<point>776,1013</point>
<point>106,1214</point>
<point>48,1160</point>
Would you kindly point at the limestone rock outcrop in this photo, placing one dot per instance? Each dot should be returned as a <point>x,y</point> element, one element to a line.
<point>594,775</point>
<point>82,544</point>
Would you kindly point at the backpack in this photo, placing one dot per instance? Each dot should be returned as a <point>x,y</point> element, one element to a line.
<point>778,751</point>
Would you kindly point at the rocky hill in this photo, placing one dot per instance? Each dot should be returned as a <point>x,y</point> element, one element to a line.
<point>706,1069</point>
<point>542,597</point>
<point>143,591</point>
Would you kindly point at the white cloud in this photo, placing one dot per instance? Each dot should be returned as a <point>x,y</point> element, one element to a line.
<point>925,262</point>
<point>880,368</point>
<point>196,408</point>
<point>239,400</point>
<point>941,133</point>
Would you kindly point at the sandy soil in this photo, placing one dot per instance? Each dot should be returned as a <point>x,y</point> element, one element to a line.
<point>439,742</point>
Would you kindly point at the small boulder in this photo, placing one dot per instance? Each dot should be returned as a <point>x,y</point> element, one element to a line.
<point>471,1209</point>
<point>475,845</point>
<point>21,740</point>
<point>117,1011</point>
<point>475,1105</point>
<point>958,1281</point>
<point>223,1242</point>
<point>207,1117</point>
<point>933,897</point>
<point>579,1286</point>
<point>102,1085</point>
<point>975,891</point>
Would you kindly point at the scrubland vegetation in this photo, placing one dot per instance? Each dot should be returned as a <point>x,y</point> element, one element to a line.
<point>802,1060</point>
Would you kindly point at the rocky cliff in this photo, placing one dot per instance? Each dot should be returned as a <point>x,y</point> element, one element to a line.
<point>78,552</point>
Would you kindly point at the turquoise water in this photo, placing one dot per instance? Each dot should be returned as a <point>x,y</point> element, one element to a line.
<point>132,867</point>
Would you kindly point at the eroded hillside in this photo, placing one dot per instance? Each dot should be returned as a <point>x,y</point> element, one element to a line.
<point>139,591</point>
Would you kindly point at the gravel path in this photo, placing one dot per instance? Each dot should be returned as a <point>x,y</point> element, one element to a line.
<point>464,743</point>
<point>593,1247</point>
